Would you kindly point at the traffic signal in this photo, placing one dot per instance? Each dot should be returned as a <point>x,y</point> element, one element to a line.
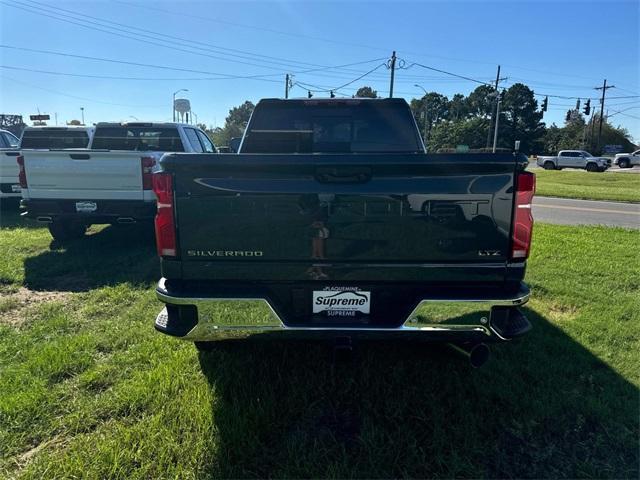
<point>568,116</point>
<point>587,107</point>
<point>331,94</point>
<point>309,94</point>
<point>545,103</point>
<point>578,104</point>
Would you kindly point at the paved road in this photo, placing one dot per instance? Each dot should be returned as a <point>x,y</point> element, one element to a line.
<point>565,211</point>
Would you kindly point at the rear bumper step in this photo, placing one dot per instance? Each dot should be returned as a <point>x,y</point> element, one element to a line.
<point>107,211</point>
<point>226,314</point>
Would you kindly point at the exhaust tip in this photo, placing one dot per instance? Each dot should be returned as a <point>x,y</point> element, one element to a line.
<point>477,354</point>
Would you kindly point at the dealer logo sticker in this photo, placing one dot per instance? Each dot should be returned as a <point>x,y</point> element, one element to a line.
<point>341,302</point>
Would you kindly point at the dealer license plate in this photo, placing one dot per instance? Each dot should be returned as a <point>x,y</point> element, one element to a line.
<point>86,207</point>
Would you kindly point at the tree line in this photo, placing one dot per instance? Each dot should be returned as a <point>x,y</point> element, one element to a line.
<point>469,120</point>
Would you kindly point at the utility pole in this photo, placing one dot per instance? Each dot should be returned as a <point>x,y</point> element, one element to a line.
<point>393,71</point>
<point>604,88</point>
<point>495,132</point>
<point>593,123</point>
<point>286,86</point>
<point>492,119</point>
<point>82,111</point>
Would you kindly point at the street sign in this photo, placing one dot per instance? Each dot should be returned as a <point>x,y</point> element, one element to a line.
<point>462,148</point>
<point>612,149</point>
<point>39,117</point>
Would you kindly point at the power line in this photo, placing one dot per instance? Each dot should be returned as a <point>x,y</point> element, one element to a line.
<point>110,60</point>
<point>449,73</point>
<point>171,46</point>
<point>110,77</point>
<point>221,76</point>
<point>91,100</point>
<point>621,112</point>
<point>338,42</point>
<point>207,46</point>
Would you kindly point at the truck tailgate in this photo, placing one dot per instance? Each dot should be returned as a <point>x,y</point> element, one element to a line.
<point>253,211</point>
<point>83,174</point>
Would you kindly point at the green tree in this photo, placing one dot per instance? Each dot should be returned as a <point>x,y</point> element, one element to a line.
<point>433,108</point>
<point>74,122</point>
<point>520,119</point>
<point>447,135</point>
<point>482,102</point>
<point>234,124</point>
<point>457,108</point>
<point>366,92</point>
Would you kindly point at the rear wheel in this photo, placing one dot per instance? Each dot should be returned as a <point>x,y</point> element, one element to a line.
<point>624,163</point>
<point>549,166</point>
<point>592,167</point>
<point>64,230</point>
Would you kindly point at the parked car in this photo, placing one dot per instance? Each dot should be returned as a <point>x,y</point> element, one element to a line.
<point>627,160</point>
<point>574,159</point>
<point>9,185</point>
<point>334,217</point>
<point>110,183</point>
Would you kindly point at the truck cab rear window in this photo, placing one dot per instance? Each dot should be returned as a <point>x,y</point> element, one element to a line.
<point>366,127</point>
<point>145,139</point>
<point>54,139</point>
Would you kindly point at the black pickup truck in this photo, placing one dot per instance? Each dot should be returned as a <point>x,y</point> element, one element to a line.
<point>332,220</point>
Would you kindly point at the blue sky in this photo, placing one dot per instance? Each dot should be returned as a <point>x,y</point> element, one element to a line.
<point>558,48</point>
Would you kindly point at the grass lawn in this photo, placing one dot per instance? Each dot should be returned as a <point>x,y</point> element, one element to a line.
<point>88,389</point>
<point>591,186</point>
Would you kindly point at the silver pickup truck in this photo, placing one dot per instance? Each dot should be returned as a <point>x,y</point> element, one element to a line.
<point>574,159</point>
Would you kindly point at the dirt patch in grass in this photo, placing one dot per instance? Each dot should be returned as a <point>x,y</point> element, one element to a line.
<point>13,306</point>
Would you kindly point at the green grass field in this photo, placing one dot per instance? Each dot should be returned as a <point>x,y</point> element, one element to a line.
<point>89,389</point>
<point>623,187</point>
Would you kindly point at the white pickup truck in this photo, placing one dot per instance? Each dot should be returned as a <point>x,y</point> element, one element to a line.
<point>37,137</point>
<point>627,160</point>
<point>109,183</point>
<point>574,159</point>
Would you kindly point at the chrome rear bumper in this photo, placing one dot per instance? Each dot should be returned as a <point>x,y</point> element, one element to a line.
<point>204,318</point>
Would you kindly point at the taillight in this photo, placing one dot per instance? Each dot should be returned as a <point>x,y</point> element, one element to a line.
<point>522,218</point>
<point>22,174</point>
<point>165,225</point>
<point>147,164</point>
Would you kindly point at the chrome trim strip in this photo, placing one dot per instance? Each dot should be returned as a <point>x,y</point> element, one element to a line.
<point>205,330</point>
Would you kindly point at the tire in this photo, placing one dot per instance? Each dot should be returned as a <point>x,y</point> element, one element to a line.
<point>65,230</point>
<point>624,163</point>
<point>549,166</point>
<point>592,167</point>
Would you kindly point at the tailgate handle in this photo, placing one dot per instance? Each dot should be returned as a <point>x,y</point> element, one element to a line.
<point>343,175</point>
<point>80,156</point>
<point>12,154</point>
